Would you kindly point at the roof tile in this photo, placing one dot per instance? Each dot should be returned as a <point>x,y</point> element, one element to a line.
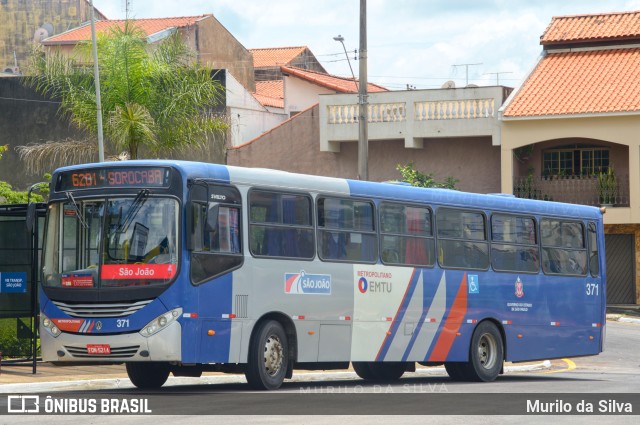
<point>270,93</point>
<point>581,82</point>
<point>275,56</point>
<point>596,27</point>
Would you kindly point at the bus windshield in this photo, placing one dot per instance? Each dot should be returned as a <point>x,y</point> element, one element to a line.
<point>113,242</point>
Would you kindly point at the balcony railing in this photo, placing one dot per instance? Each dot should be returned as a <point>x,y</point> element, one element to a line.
<point>413,115</point>
<point>378,112</point>
<point>455,109</point>
<point>571,189</point>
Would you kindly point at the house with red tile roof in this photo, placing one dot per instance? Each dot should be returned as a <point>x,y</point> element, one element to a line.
<point>214,45</point>
<point>267,62</point>
<point>577,115</point>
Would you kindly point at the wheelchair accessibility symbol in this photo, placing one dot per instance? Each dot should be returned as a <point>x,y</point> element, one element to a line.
<point>474,287</point>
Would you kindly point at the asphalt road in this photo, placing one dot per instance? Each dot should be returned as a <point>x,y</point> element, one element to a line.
<point>612,378</point>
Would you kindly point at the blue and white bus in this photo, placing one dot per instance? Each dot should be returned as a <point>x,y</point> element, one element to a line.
<point>180,267</point>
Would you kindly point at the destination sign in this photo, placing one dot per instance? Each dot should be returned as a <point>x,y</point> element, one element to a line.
<point>98,178</point>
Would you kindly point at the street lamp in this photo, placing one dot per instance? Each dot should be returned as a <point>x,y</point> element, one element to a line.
<point>341,40</point>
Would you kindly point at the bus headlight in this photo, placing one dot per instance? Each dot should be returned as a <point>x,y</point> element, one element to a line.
<point>160,322</point>
<point>49,326</point>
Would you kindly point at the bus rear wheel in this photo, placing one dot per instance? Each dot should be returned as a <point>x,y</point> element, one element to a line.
<point>486,354</point>
<point>148,375</point>
<point>380,371</point>
<point>268,357</point>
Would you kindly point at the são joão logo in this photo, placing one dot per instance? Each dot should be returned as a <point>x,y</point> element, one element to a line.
<point>306,283</point>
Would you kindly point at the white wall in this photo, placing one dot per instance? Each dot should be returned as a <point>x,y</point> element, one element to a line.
<point>300,94</point>
<point>247,117</point>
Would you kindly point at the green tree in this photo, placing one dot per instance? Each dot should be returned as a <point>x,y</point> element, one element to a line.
<point>10,196</point>
<point>154,97</point>
<point>416,178</point>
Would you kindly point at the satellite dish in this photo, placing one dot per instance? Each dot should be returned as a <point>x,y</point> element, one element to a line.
<point>40,34</point>
<point>449,85</point>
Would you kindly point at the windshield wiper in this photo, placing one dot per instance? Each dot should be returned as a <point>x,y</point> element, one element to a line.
<point>133,210</point>
<point>77,210</point>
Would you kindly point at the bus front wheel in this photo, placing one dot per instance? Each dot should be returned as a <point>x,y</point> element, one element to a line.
<point>268,357</point>
<point>148,375</point>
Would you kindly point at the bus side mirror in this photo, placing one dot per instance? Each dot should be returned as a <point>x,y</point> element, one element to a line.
<point>31,216</point>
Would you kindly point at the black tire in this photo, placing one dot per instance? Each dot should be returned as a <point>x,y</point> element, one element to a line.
<point>268,357</point>
<point>455,370</point>
<point>380,371</point>
<point>486,354</point>
<point>363,370</point>
<point>148,375</point>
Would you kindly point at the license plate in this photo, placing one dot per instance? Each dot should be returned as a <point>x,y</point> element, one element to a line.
<point>98,349</point>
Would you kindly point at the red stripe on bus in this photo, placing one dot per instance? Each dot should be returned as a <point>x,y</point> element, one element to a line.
<point>452,324</point>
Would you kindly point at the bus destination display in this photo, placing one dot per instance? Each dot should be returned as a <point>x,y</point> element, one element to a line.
<point>97,178</point>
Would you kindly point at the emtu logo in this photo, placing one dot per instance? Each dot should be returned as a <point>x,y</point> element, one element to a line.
<point>363,285</point>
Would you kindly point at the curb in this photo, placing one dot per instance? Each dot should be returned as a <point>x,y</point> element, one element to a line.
<point>125,383</point>
<point>622,318</point>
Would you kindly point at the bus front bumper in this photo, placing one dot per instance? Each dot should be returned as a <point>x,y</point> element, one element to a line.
<point>163,346</point>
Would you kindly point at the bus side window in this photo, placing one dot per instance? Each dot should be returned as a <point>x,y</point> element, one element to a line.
<point>564,250</point>
<point>514,247</point>
<point>346,230</point>
<point>280,225</point>
<point>462,239</point>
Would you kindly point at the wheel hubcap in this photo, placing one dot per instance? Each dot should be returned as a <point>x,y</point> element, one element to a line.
<point>273,355</point>
<point>487,351</point>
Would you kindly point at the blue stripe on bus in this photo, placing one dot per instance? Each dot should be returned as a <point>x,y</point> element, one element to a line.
<point>428,294</point>
<point>399,315</point>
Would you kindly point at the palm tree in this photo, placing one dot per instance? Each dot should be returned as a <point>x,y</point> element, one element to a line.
<point>154,98</point>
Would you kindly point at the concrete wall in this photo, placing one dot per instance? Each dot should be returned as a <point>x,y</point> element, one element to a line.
<point>219,49</point>
<point>25,118</point>
<point>21,19</point>
<point>294,146</point>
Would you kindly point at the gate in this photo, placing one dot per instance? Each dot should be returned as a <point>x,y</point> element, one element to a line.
<point>621,279</point>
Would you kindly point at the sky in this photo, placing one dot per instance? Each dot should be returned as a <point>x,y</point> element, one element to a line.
<point>418,44</point>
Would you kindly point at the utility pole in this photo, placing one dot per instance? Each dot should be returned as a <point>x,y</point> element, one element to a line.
<point>96,77</point>
<point>363,136</point>
<point>467,65</point>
